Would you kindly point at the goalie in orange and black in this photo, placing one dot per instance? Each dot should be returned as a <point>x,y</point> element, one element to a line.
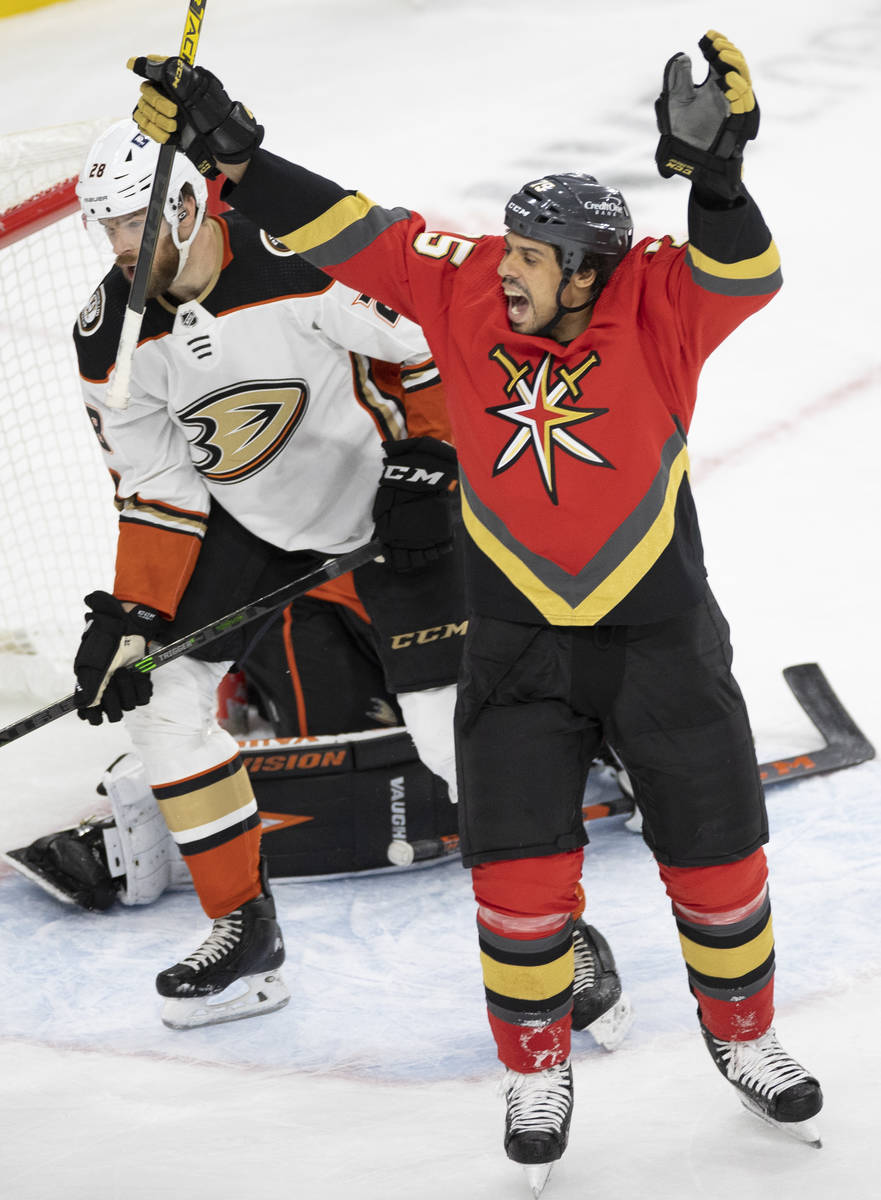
<point>571,360</point>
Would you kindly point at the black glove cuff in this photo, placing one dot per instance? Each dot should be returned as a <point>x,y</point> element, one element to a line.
<point>722,176</point>
<point>237,137</point>
<point>140,620</point>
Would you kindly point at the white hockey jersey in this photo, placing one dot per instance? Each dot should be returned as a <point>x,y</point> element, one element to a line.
<point>270,394</point>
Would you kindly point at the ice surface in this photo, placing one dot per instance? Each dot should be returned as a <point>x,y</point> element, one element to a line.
<point>378,1079</point>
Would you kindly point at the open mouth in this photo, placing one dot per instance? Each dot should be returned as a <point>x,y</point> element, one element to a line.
<point>518,306</point>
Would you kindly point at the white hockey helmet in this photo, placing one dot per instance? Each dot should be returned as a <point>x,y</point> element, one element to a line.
<point>117,177</point>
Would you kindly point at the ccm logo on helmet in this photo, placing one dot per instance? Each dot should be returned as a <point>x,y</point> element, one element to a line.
<point>402,474</point>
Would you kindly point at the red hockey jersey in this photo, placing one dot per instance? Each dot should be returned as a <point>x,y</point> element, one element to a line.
<point>573,459</point>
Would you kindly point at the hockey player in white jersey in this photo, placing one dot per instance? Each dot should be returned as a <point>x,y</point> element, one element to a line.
<point>265,399</point>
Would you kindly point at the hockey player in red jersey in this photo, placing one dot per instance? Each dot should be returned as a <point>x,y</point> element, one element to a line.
<point>571,361</point>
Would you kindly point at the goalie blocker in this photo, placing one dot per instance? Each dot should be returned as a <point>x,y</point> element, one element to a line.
<point>329,806</point>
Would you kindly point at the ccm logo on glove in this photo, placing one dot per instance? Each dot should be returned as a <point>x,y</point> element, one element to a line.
<point>412,509</point>
<point>415,475</point>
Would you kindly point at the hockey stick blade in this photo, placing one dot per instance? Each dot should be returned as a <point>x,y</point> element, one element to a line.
<point>845,744</point>
<point>331,568</point>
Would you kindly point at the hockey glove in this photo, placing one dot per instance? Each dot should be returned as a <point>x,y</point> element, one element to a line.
<point>412,507</point>
<point>704,128</point>
<point>105,686</point>
<point>188,106</point>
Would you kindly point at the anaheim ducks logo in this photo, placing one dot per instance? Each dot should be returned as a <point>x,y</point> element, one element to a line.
<point>542,420</point>
<point>93,314</point>
<point>235,432</point>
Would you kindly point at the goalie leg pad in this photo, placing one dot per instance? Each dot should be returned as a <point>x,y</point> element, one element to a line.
<point>140,851</point>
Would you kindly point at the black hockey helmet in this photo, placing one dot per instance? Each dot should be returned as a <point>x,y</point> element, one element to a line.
<point>575,213</point>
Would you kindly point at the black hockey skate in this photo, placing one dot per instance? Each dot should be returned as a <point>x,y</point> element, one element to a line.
<point>598,1003</point>
<point>537,1122</point>
<point>233,974</point>
<point>771,1083</point>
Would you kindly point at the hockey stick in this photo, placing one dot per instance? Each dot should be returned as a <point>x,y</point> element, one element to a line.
<point>118,390</point>
<point>845,743</point>
<point>329,569</point>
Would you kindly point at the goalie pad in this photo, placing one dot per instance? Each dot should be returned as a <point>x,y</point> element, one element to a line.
<point>329,807</point>
<point>337,805</point>
<point>140,852</point>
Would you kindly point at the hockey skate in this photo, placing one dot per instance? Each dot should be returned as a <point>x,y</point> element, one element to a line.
<point>537,1122</point>
<point>233,974</point>
<point>771,1083</point>
<point>598,1003</point>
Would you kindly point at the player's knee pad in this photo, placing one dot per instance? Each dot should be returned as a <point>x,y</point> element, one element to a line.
<point>177,733</point>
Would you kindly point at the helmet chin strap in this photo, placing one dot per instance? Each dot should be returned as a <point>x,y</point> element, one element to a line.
<point>562,308</point>
<point>183,248</point>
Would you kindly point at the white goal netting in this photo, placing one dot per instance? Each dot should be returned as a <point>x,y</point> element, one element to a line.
<point>56,509</point>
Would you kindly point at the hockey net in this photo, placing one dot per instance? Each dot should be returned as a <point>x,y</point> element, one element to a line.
<point>58,519</point>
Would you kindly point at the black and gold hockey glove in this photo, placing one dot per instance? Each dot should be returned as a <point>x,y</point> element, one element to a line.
<point>705,127</point>
<point>412,509</point>
<point>105,685</point>
<point>188,106</point>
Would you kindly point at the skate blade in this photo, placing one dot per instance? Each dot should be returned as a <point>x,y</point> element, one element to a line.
<point>250,996</point>
<point>537,1176</point>
<point>610,1030</point>
<point>803,1131</point>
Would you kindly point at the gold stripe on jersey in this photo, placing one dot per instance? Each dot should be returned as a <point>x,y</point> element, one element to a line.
<point>729,962</point>
<point>612,573</point>
<point>164,516</point>
<point>331,223</point>
<point>343,231</point>
<point>748,277</point>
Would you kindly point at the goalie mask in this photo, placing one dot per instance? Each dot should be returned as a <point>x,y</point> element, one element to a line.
<point>117,178</point>
<point>574,213</point>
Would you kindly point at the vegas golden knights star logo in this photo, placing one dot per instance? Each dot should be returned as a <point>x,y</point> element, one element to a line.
<point>235,432</point>
<point>543,421</point>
